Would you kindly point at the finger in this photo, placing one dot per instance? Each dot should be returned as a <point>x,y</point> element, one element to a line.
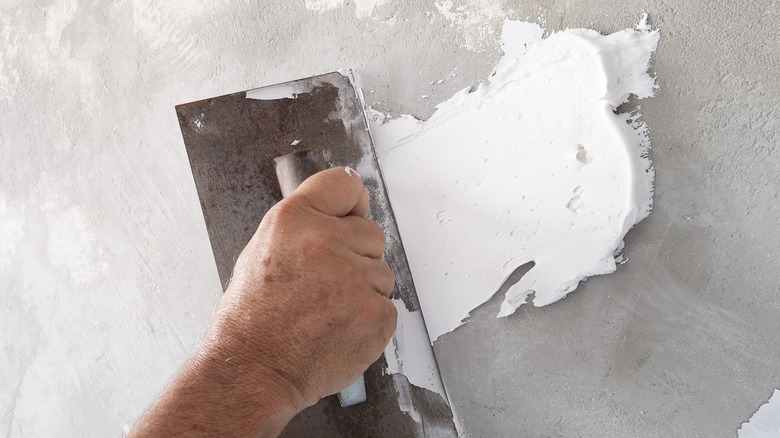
<point>363,236</point>
<point>380,277</point>
<point>336,192</point>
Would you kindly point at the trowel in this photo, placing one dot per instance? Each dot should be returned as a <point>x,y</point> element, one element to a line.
<point>246,151</point>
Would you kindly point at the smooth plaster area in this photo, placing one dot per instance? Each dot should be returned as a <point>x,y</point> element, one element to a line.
<point>107,280</point>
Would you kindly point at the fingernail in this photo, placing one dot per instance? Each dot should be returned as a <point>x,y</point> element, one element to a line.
<point>350,171</point>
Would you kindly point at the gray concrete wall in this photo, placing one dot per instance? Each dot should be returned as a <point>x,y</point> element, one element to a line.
<point>107,277</point>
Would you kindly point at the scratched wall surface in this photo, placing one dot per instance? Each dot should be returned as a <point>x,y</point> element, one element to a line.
<point>106,275</point>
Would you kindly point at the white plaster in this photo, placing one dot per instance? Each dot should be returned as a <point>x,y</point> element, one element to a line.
<point>409,352</point>
<point>765,423</point>
<point>533,165</point>
<point>405,402</point>
<point>286,90</point>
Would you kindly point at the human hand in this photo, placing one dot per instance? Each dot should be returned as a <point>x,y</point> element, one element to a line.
<point>306,312</point>
<point>307,306</point>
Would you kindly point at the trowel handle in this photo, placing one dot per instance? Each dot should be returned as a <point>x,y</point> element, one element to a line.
<point>291,170</point>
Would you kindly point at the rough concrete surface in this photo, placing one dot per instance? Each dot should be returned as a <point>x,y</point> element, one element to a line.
<point>107,277</point>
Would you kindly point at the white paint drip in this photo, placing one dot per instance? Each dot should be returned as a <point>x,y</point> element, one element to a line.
<point>765,423</point>
<point>532,166</point>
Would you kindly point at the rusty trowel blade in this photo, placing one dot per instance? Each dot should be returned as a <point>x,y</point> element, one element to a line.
<point>231,143</point>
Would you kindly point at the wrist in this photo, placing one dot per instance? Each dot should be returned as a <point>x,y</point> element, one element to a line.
<point>219,394</point>
<point>260,353</point>
<point>245,385</point>
<point>235,400</point>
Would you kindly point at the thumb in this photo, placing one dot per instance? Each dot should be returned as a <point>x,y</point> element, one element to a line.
<point>335,192</point>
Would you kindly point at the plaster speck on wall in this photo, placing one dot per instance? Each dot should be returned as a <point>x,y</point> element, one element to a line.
<point>765,423</point>
<point>533,165</point>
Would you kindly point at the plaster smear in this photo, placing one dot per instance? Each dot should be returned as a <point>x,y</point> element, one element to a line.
<point>286,90</point>
<point>409,353</point>
<point>765,423</point>
<point>533,165</point>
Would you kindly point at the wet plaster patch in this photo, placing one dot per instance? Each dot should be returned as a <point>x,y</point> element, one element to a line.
<point>534,165</point>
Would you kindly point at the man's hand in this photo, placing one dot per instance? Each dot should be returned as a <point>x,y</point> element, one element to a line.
<point>306,312</point>
<point>310,291</point>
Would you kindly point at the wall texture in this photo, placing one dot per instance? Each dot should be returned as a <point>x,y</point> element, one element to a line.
<point>106,273</point>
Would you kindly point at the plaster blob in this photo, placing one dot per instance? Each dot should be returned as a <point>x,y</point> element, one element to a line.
<point>532,165</point>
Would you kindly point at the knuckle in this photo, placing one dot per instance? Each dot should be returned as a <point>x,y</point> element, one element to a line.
<point>381,313</point>
<point>388,272</point>
<point>388,277</point>
<point>393,321</point>
<point>371,277</point>
<point>377,232</point>
<point>316,197</point>
<point>390,288</point>
<point>283,211</point>
<point>392,313</point>
<point>374,309</point>
<point>390,322</point>
<point>318,240</point>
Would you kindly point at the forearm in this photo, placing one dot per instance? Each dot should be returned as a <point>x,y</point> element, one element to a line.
<point>218,394</point>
